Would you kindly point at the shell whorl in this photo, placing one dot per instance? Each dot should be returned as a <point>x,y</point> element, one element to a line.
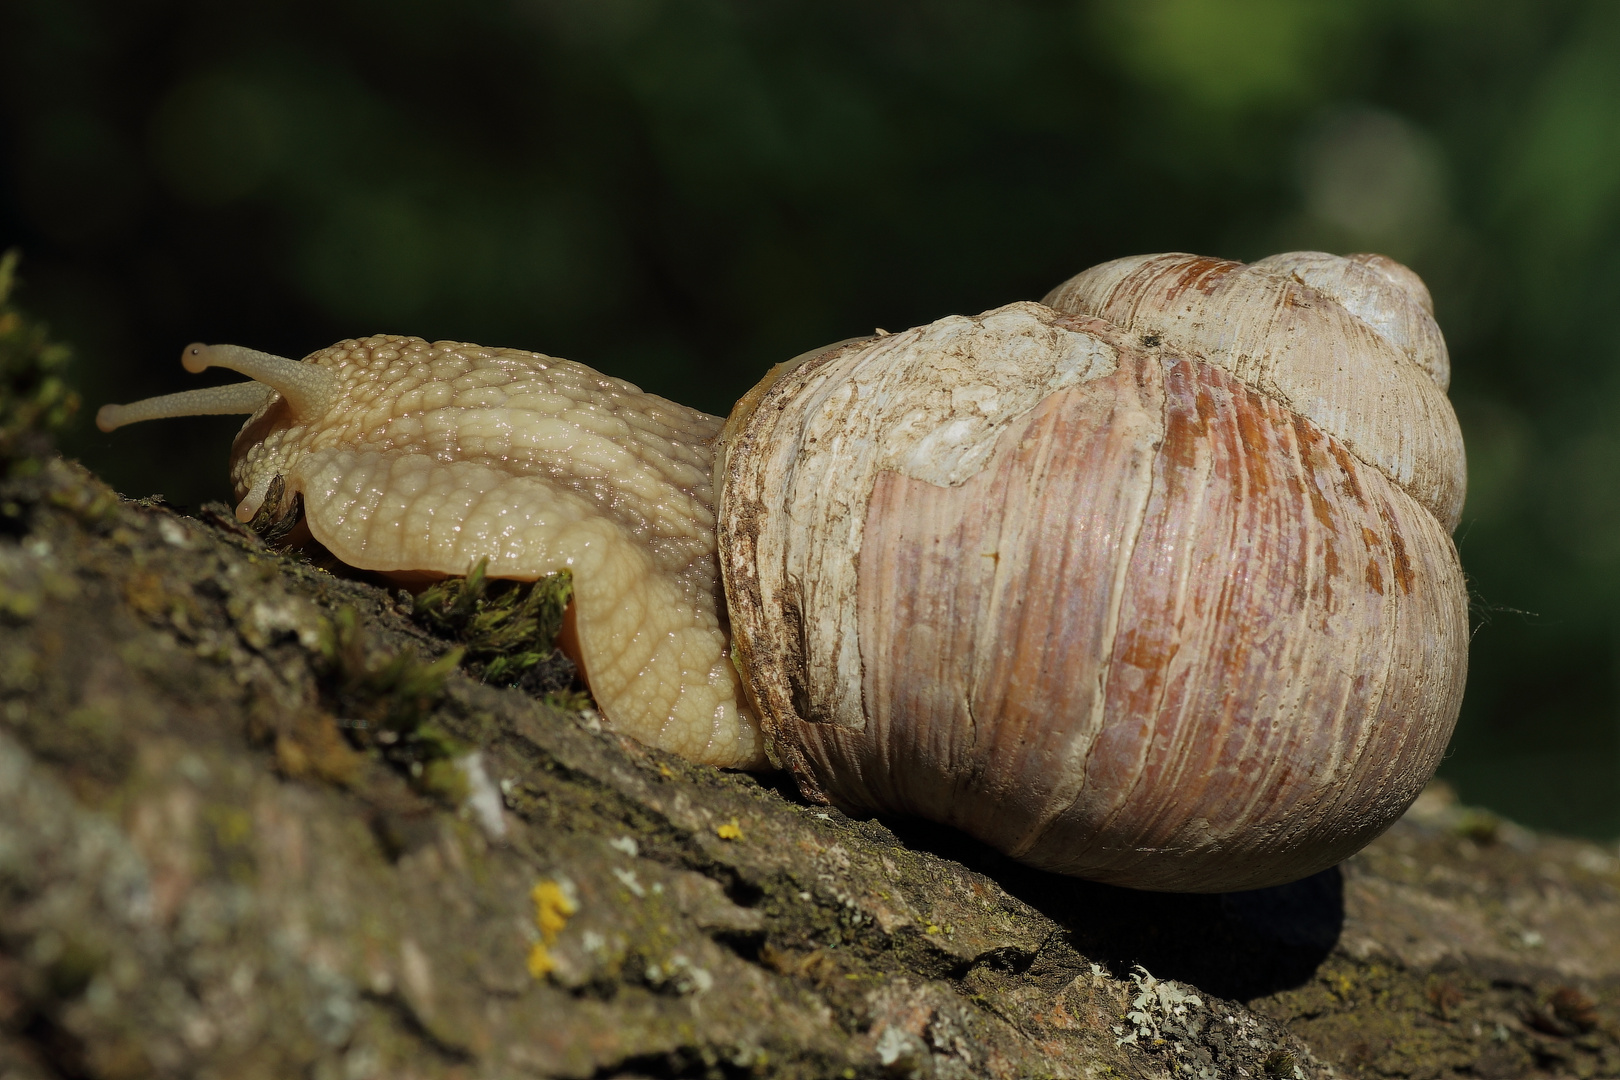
<point>1347,343</point>
<point>1382,293</point>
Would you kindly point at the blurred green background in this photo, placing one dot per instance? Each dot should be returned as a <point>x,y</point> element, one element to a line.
<point>682,193</point>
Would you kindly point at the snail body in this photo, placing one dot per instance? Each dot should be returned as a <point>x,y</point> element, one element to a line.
<point>1131,584</point>
<point>418,459</point>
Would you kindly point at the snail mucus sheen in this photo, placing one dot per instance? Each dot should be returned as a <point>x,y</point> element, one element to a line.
<point>1150,583</point>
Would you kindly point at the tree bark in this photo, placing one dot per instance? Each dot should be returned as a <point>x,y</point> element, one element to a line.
<point>253,822</point>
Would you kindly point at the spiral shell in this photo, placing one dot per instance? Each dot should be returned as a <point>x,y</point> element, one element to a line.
<point>1164,598</point>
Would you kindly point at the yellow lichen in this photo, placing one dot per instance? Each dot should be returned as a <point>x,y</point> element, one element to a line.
<point>552,909</point>
<point>729,831</point>
<point>540,962</point>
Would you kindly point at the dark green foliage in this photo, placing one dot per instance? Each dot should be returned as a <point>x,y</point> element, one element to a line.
<point>34,401</point>
<point>508,628</point>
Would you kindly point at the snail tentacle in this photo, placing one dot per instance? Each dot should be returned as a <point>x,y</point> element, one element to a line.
<point>308,388</point>
<point>246,397</point>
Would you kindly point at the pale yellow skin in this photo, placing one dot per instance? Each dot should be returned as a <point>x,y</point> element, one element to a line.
<point>427,457</point>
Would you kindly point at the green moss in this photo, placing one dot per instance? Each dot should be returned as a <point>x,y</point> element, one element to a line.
<point>34,401</point>
<point>394,692</point>
<point>383,702</point>
<point>568,700</point>
<point>508,628</point>
<point>443,779</point>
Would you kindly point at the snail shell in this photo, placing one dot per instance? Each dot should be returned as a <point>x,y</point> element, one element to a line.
<point>1151,583</point>
<point>1136,600</point>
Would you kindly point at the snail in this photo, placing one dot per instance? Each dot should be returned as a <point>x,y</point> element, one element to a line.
<point>1150,583</point>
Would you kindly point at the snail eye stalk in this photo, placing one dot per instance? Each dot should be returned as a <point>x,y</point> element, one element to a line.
<point>247,397</point>
<point>307,388</point>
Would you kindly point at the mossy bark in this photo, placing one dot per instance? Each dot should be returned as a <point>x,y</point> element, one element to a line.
<point>254,822</point>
